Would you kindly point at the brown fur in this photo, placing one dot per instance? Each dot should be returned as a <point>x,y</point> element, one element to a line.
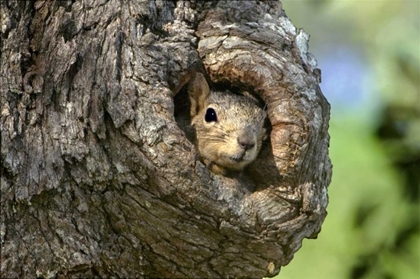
<point>234,140</point>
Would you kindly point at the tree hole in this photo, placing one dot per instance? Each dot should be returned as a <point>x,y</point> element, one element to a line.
<point>262,172</point>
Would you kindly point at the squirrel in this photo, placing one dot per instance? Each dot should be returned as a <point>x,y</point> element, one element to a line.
<point>229,127</point>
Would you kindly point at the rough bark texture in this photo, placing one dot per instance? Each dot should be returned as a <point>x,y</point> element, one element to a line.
<point>97,178</point>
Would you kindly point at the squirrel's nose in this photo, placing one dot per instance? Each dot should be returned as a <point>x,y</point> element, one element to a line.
<point>246,142</point>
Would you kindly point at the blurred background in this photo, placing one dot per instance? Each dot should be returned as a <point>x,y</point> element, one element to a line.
<point>369,54</point>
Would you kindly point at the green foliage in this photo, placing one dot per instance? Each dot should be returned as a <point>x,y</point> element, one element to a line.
<point>367,212</point>
<point>372,229</point>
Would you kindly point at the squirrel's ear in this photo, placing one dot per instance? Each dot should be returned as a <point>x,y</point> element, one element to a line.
<point>198,91</point>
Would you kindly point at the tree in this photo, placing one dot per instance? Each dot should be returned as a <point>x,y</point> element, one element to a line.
<point>97,178</point>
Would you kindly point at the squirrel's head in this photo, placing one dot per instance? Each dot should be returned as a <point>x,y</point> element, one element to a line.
<point>229,127</point>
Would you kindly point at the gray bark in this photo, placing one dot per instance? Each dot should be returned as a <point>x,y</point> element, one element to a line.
<point>97,178</point>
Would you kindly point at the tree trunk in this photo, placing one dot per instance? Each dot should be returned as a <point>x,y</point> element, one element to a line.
<point>97,177</point>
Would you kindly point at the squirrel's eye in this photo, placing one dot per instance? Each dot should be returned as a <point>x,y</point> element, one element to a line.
<point>211,115</point>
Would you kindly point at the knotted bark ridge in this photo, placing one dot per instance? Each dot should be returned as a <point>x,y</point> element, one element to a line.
<point>97,177</point>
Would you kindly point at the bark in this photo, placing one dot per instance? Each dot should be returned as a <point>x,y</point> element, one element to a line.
<point>97,177</point>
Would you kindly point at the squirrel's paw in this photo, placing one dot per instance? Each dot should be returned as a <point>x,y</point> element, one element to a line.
<point>215,168</point>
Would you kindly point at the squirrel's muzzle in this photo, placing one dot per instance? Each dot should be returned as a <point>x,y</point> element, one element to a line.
<point>246,140</point>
